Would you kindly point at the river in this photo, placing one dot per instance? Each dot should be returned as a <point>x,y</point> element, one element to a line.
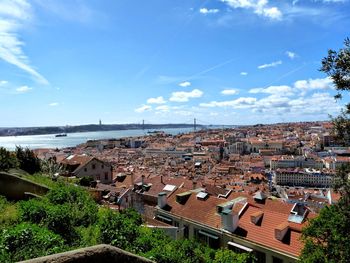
<point>73,139</point>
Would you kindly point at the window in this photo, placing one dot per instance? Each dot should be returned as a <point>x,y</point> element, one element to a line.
<point>98,177</point>
<point>276,260</point>
<point>102,166</point>
<point>85,169</point>
<point>207,238</point>
<point>176,224</point>
<point>106,176</point>
<point>93,166</point>
<point>260,256</point>
<point>186,231</point>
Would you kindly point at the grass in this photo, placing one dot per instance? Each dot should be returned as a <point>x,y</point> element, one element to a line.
<point>39,178</point>
<point>8,212</point>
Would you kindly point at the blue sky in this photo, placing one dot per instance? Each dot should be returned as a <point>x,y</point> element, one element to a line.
<point>167,61</point>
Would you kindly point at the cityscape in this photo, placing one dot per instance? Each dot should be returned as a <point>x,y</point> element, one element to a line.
<point>193,131</point>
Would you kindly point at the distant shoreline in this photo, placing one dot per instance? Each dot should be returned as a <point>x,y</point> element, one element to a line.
<point>4,132</point>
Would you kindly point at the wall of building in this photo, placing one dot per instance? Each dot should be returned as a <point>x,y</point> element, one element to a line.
<point>97,170</point>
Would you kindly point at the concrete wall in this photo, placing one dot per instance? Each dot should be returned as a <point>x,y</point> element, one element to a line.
<point>15,187</point>
<point>99,253</point>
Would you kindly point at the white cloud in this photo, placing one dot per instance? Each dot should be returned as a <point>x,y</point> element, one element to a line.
<point>229,92</point>
<point>313,84</point>
<point>185,84</point>
<point>184,113</point>
<point>208,11</point>
<point>163,108</point>
<point>54,104</point>
<point>243,73</point>
<point>240,103</point>
<point>273,64</point>
<point>14,15</point>
<point>183,96</point>
<point>23,89</point>
<point>143,108</point>
<point>158,100</point>
<point>3,82</point>
<point>259,7</point>
<point>291,54</point>
<point>282,90</point>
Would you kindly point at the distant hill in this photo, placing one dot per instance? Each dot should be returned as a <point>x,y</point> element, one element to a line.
<point>86,128</point>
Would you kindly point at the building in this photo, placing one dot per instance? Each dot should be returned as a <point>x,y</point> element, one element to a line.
<point>269,229</point>
<point>289,161</point>
<point>88,166</point>
<point>304,177</point>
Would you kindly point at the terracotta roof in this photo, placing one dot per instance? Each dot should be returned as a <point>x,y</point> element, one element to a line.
<point>274,213</point>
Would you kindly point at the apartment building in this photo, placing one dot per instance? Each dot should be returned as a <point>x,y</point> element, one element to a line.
<point>303,177</point>
<point>271,230</point>
<point>290,161</point>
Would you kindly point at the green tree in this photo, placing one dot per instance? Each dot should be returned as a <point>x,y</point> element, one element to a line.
<point>7,160</point>
<point>119,229</point>
<point>81,205</point>
<point>27,160</point>
<point>51,167</point>
<point>337,66</point>
<point>26,241</point>
<point>326,237</point>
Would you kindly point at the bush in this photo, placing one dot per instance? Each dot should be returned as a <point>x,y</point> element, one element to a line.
<point>8,213</point>
<point>26,241</point>
<point>7,160</point>
<point>86,181</point>
<point>119,229</point>
<point>82,207</point>
<point>27,160</point>
<point>33,210</point>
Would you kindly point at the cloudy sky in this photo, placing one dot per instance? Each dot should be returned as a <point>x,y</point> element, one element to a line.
<point>167,61</point>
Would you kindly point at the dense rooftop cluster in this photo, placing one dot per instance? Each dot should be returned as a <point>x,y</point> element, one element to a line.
<point>250,188</point>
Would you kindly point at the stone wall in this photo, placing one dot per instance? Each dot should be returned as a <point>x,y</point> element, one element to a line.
<point>18,188</point>
<point>99,253</point>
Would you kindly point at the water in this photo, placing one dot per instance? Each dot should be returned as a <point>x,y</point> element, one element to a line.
<point>73,139</point>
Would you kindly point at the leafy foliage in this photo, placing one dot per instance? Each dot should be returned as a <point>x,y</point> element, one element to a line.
<point>7,160</point>
<point>86,181</point>
<point>51,167</point>
<point>337,66</point>
<point>8,212</point>
<point>326,238</point>
<point>26,241</point>
<point>27,160</point>
<point>228,256</point>
<point>81,205</point>
<point>68,218</point>
<point>119,229</point>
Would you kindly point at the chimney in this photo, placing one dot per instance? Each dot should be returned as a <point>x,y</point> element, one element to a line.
<point>162,200</point>
<point>143,180</point>
<point>281,230</point>
<point>229,220</point>
<point>132,179</point>
<point>255,217</point>
<point>161,179</point>
<point>194,184</point>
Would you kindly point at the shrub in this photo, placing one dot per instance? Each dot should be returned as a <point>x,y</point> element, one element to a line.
<point>26,241</point>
